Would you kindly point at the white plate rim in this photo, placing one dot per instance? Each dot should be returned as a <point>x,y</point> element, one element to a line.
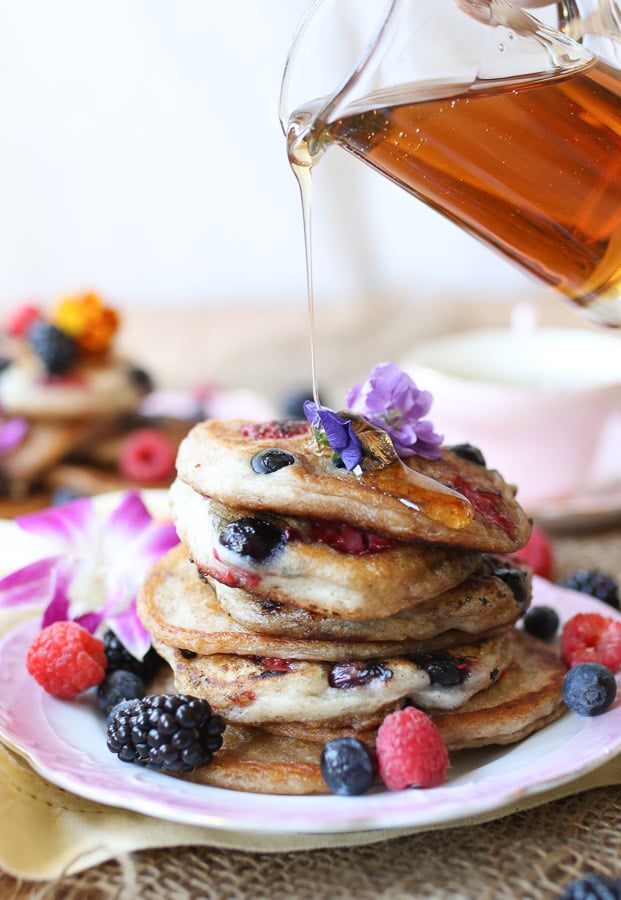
<point>39,728</point>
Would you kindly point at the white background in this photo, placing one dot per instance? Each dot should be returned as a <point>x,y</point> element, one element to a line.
<point>141,155</point>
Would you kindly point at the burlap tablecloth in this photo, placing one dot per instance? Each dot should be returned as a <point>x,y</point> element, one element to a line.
<point>528,853</point>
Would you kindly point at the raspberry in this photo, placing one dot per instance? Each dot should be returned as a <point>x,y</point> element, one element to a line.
<point>537,553</point>
<point>65,659</point>
<point>347,539</point>
<point>20,320</point>
<point>147,457</point>
<point>278,428</point>
<point>591,637</point>
<point>410,751</point>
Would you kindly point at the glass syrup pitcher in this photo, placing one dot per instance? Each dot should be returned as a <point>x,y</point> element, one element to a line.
<point>503,116</point>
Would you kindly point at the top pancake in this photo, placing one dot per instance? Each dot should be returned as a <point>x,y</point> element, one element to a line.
<point>408,499</point>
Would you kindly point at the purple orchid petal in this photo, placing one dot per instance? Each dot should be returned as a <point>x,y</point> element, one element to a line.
<point>67,523</point>
<point>130,517</point>
<point>131,632</point>
<point>91,621</point>
<point>32,584</point>
<point>12,433</point>
<point>57,610</point>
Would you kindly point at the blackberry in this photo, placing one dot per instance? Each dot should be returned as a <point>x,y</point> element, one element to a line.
<point>173,732</point>
<point>56,349</point>
<point>469,452</point>
<point>592,887</point>
<point>268,461</point>
<point>117,686</point>
<point>252,537</point>
<point>595,583</point>
<point>119,657</point>
<point>589,689</point>
<point>542,622</point>
<point>347,766</point>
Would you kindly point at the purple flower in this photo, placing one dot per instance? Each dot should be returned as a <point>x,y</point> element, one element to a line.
<point>12,433</point>
<point>94,567</point>
<point>390,399</point>
<point>337,431</point>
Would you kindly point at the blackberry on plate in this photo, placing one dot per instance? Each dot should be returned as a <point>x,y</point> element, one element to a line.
<point>589,689</point>
<point>542,622</point>
<point>592,887</point>
<point>173,732</point>
<point>56,349</point>
<point>117,686</point>
<point>595,583</point>
<point>119,657</point>
<point>347,766</point>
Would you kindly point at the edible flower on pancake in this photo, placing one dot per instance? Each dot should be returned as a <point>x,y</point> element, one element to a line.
<point>335,430</point>
<point>391,400</point>
<point>94,567</point>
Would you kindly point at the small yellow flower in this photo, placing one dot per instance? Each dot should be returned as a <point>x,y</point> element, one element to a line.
<point>88,320</point>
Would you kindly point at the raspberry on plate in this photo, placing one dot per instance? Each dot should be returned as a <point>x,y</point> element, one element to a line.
<point>591,637</point>
<point>537,553</point>
<point>65,659</point>
<point>410,751</point>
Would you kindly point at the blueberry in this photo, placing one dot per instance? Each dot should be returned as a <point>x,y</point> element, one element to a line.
<point>542,622</point>
<point>141,378</point>
<point>293,403</point>
<point>268,461</point>
<point>442,667</point>
<point>469,452</point>
<point>589,689</point>
<point>119,685</point>
<point>357,673</point>
<point>252,537</point>
<point>347,766</point>
<point>592,887</point>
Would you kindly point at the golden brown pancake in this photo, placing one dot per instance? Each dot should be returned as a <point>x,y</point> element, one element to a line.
<point>528,697</point>
<point>313,575</point>
<point>524,700</point>
<point>252,690</point>
<point>493,597</point>
<point>181,610</point>
<point>415,500</point>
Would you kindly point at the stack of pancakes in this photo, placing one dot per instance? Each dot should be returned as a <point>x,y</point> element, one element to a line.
<point>306,602</point>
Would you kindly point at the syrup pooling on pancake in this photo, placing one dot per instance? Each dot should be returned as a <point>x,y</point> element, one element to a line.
<point>216,460</point>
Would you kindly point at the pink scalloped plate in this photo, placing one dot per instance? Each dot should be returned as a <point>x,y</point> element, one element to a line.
<point>64,741</point>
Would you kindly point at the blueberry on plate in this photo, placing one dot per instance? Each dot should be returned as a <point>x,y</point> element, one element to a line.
<point>589,689</point>
<point>542,622</point>
<point>347,766</point>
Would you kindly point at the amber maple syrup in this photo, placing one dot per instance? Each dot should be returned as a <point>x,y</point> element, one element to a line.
<point>534,169</point>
